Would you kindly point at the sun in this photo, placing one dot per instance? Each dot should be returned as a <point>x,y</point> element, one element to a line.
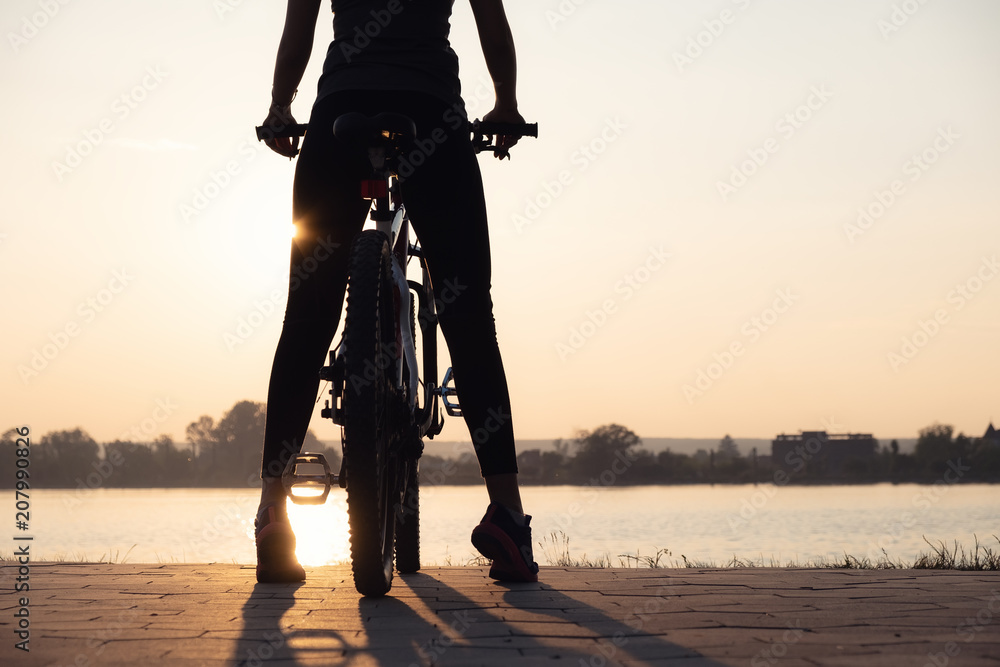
<point>321,531</point>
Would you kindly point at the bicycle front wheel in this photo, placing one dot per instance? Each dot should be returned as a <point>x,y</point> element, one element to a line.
<point>369,404</point>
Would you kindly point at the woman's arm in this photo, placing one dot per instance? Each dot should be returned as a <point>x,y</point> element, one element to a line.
<point>501,61</point>
<point>498,48</point>
<point>293,56</point>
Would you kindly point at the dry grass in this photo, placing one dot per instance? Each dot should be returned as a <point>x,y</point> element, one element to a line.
<point>555,551</point>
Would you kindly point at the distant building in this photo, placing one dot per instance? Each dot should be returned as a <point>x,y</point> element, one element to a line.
<point>821,454</point>
<point>992,436</point>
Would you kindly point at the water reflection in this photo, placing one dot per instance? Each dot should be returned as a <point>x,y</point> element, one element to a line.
<point>704,523</point>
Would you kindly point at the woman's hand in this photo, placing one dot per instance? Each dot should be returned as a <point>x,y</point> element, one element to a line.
<point>290,64</point>
<point>504,115</point>
<point>278,118</point>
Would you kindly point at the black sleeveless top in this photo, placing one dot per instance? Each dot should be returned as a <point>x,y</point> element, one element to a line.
<point>392,45</point>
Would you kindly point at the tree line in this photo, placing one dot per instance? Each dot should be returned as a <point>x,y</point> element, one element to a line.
<point>612,454</point>
<point>226,453</point>
<point>223,453</point>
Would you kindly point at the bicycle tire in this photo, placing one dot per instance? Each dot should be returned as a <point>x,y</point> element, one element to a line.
<point>408,523</point>
<point>369,410</point>
<point>408,516</point>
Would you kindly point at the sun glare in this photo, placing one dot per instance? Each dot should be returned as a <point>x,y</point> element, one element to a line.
<point>321,531</point>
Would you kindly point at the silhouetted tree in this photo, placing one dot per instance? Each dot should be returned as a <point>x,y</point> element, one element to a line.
<point>63,458</point>
<point>8,455</point>
<point>985,460</point>
<point>597,450</point>
<point>934,448</point>
<point>177,464</point>
<point>727,450</point>
<point>200,435</point>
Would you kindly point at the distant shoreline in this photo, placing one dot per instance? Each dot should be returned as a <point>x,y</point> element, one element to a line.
<point>529,483</point>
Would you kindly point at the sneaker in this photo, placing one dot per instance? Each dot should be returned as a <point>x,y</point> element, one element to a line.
<point>499,537</point>
<point>276,562</point>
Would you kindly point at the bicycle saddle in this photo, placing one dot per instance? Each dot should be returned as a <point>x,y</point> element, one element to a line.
<point>385,129</point>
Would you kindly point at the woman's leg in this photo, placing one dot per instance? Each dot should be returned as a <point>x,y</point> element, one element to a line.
<point>328,212</point>
<point>444,196</point>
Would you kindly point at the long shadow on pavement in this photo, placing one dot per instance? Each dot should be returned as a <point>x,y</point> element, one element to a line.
<point>617,637</point>
<point>433,623</point>
<point>262,639</point>
<point>425,621</point>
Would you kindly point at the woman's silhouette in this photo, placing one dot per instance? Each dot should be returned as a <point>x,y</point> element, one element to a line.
<point>392,55</point>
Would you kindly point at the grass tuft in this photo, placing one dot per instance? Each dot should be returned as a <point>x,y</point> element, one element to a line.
<point>941,558</point>
<point>555,550</point>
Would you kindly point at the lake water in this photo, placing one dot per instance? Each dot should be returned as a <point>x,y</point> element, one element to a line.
<point>765,523</point>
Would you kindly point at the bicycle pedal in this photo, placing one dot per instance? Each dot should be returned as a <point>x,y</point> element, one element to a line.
<point>311,484</point>
<point>446,390</point>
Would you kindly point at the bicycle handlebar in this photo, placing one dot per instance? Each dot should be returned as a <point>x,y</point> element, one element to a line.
<point>283,131</point>
<point>507,129</point>
<point>478,127</point>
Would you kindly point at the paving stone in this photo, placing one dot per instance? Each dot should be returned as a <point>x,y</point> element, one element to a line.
<point>216,614</point>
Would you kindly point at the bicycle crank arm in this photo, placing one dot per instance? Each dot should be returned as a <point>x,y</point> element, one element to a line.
<point>310,486</point>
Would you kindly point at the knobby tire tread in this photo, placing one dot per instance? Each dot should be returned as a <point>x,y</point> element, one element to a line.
<point>366,401</point>
<point>408,523</point>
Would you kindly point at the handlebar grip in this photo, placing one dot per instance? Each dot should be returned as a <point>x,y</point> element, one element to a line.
<point>509,129</point>
<point>294,130</point>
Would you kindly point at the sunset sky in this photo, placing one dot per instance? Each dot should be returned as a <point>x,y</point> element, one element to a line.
<point>740,216</point>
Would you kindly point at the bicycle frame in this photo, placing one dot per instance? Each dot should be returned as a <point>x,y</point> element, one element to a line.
<point>389,214</point>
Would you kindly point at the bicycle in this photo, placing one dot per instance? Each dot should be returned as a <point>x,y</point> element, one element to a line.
<point>383,398</point>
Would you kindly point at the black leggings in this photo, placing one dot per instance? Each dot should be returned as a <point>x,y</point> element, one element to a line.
<point>443,191</point>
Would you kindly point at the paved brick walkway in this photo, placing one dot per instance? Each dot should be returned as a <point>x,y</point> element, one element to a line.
<point>85,614</point>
